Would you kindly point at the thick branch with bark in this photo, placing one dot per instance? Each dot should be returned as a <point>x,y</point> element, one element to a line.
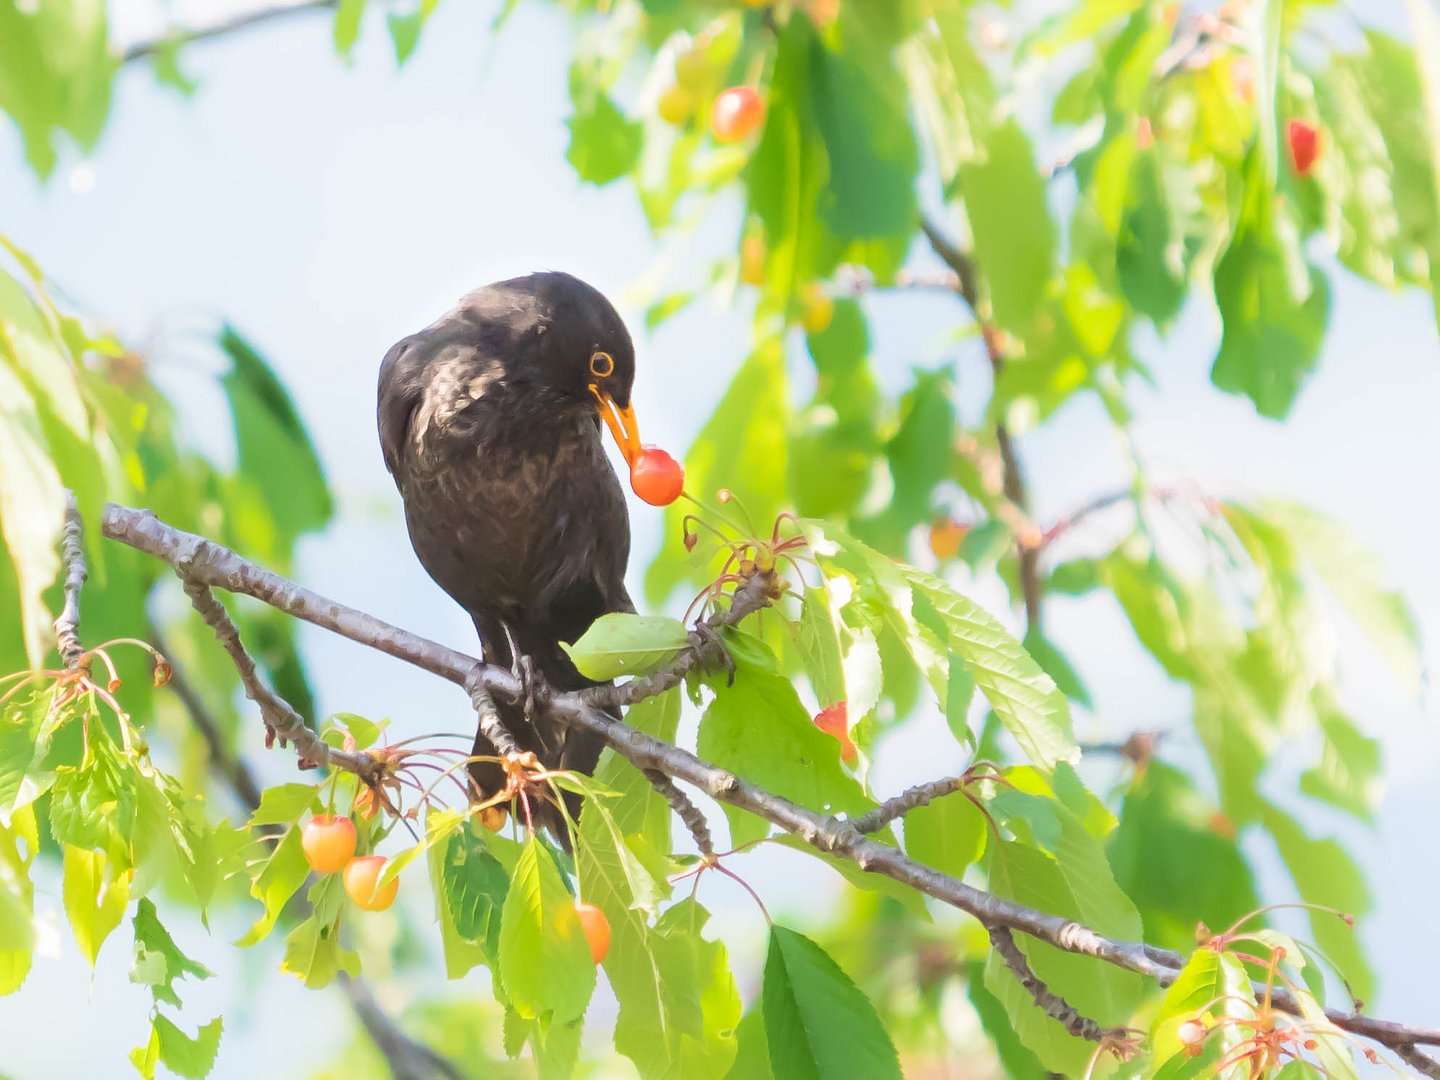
<point>72,551</point>
<point>215,566</point>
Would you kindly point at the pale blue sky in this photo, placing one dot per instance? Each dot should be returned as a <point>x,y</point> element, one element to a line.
<point>328,211</point>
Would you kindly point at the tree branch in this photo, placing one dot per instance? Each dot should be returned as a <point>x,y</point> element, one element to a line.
<point>243,21</point>
<point>408,1059</point>
<point>215,566</point>
<point>1049,1002</point>
<point>72,549</point>
<point>1013,476</point>
<point>686,810</point>
<point>907,800</point>
<point>229,765</point>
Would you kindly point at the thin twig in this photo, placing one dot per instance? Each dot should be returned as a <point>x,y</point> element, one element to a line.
<point>1013,480</point>
<point>222,759</point>
<point>907,800</point>
<point>281,719</point>
<point>218,567</point>
<point>72,548</point>
<point>686,810</point>
<point>244,21</point>
<point>1051,1003</point>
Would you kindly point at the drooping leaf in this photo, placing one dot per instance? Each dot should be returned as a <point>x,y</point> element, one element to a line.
<point>96,896</point>
<point>544,958</point>
<point>314,955</point>
<point>158,960</point>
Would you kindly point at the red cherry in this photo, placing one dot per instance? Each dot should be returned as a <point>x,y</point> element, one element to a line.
<point>656,476</point>
<point>597,930</point>
<point>328,842</point>
<point>1304,142</point>
<point>834,720</point>
<point>738,111</point>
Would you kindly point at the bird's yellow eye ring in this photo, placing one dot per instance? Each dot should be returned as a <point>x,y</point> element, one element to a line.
<point>602,364</point>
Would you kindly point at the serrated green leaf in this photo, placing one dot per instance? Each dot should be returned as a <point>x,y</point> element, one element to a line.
<point>818,1023</point>
<point>757,727</point>
<point>96,896</point>
<point>948,833</point>
<point>158,960</point>
<point>544,958</point>
<point>184,1056</point>
<point>314,955</point>
<point>622,643</point>
<point>276,875</point>
<point>284,804</point>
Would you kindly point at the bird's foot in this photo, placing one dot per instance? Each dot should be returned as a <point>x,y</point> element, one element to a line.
<point>534,690</point>
<point>711,648</point>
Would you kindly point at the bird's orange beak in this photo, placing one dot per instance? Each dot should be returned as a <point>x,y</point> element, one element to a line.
<point>621,423</point>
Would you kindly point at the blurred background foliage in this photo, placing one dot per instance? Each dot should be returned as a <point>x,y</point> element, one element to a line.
<point>1237,157</point>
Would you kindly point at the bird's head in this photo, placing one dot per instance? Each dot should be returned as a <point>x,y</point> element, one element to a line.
<point>575,346</point>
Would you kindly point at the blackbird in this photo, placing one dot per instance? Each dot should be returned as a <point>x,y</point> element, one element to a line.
<point>490,424</point>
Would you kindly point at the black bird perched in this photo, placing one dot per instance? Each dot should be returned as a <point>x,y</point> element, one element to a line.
<point>490,424</point>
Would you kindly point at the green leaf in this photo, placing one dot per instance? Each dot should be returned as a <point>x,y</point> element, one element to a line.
<point>1274,305</point>
<point>948,834</point>
<point>274,451</point>
<point>818,1023</point>
<point>284,804</point>
<point>1076,883</point>
<point>1014,235</point>
<point>96,897</point>
<point>184,1056</point>
<point>1176,858</point>
<point>1356,578</point>
<point>158,960</point>
<point>56,69</point>
<point>820,647</point>
<point>314,955</point>
<point>276,875</point>
<point>25,734</point>
<point>19,844</point>
<point>1026,700</point>
<point>757,728</point>
<point>637,807</point>
<point>1210,985</point>
<point>862,113</point>
<point>605,144</point>
<point>1326,875</point>
<point>348,14</point>
<point>544,958</point>
<point>475,887</point>
<point>752,1056</point>
<point>622,643</point>
<point>32,507</point>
